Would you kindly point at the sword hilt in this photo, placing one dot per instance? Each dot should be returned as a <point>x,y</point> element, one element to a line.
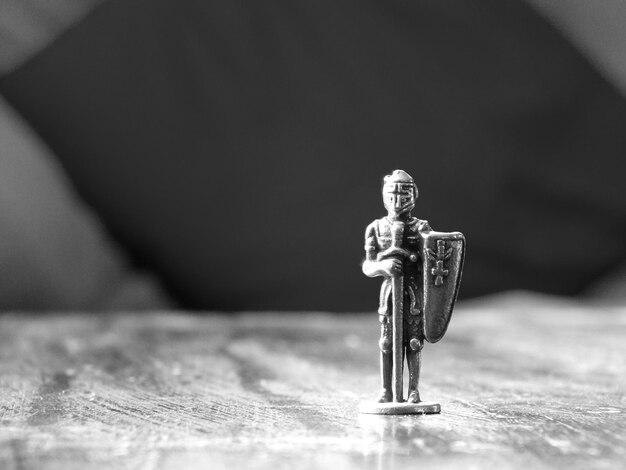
<point>397,233</point>
<point>396,252</point>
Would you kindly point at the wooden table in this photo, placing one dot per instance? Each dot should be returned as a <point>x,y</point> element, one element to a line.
<point>524,382</point>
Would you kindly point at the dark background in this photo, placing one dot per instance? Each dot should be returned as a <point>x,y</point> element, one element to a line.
<point>237,148</point>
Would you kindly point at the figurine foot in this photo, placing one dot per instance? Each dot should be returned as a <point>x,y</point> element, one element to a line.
<point>385,396</point>
<point>414,397</point>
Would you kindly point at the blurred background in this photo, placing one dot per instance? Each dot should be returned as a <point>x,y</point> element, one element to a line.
<point>228,155</point>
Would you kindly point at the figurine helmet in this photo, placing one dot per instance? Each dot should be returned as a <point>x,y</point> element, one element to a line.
<point>399,192</point>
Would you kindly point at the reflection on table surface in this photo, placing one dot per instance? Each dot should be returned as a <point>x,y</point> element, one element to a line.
<point>524,382</point>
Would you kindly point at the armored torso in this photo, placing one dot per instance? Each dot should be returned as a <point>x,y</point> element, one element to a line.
<point>378,238</point>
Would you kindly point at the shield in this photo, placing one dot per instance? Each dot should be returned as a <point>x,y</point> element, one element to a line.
<point>442,258</point>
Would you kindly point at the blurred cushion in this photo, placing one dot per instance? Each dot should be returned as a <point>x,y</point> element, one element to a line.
<point>54,253</point>
<point>27,26</point>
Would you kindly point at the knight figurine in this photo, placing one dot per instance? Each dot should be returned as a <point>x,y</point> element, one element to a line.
<point>421,272</point>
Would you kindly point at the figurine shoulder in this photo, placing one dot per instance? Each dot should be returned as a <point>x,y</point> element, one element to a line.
<point>424,226</point>
<point>420,225</point>
<point>372,229</point>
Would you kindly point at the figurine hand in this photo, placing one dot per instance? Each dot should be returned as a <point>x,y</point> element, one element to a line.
<point>391,267</point>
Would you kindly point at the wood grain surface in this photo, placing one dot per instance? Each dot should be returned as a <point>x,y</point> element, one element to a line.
<point>523,382</point>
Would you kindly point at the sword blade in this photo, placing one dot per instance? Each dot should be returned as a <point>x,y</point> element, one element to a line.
<point>397,287</point>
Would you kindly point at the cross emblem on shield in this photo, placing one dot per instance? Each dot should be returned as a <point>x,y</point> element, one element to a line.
<point>439,257</point>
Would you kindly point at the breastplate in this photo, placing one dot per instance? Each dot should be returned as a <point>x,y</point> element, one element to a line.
<point>410,242</point>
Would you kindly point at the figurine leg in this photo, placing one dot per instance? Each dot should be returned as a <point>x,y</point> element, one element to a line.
<point>414,359</point>
<point>386,363</point>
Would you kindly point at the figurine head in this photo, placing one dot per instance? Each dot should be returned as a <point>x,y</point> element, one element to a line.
<point>399,193</point>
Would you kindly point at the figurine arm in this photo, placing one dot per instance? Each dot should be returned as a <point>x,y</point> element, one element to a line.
<point>371,266</point>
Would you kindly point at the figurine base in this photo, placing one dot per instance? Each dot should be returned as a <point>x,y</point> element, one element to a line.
<point>403,408</point>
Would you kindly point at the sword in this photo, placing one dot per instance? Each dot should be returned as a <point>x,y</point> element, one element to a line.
<point>397,288</point>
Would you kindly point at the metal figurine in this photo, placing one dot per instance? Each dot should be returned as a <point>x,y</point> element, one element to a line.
<point>422,272</point>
